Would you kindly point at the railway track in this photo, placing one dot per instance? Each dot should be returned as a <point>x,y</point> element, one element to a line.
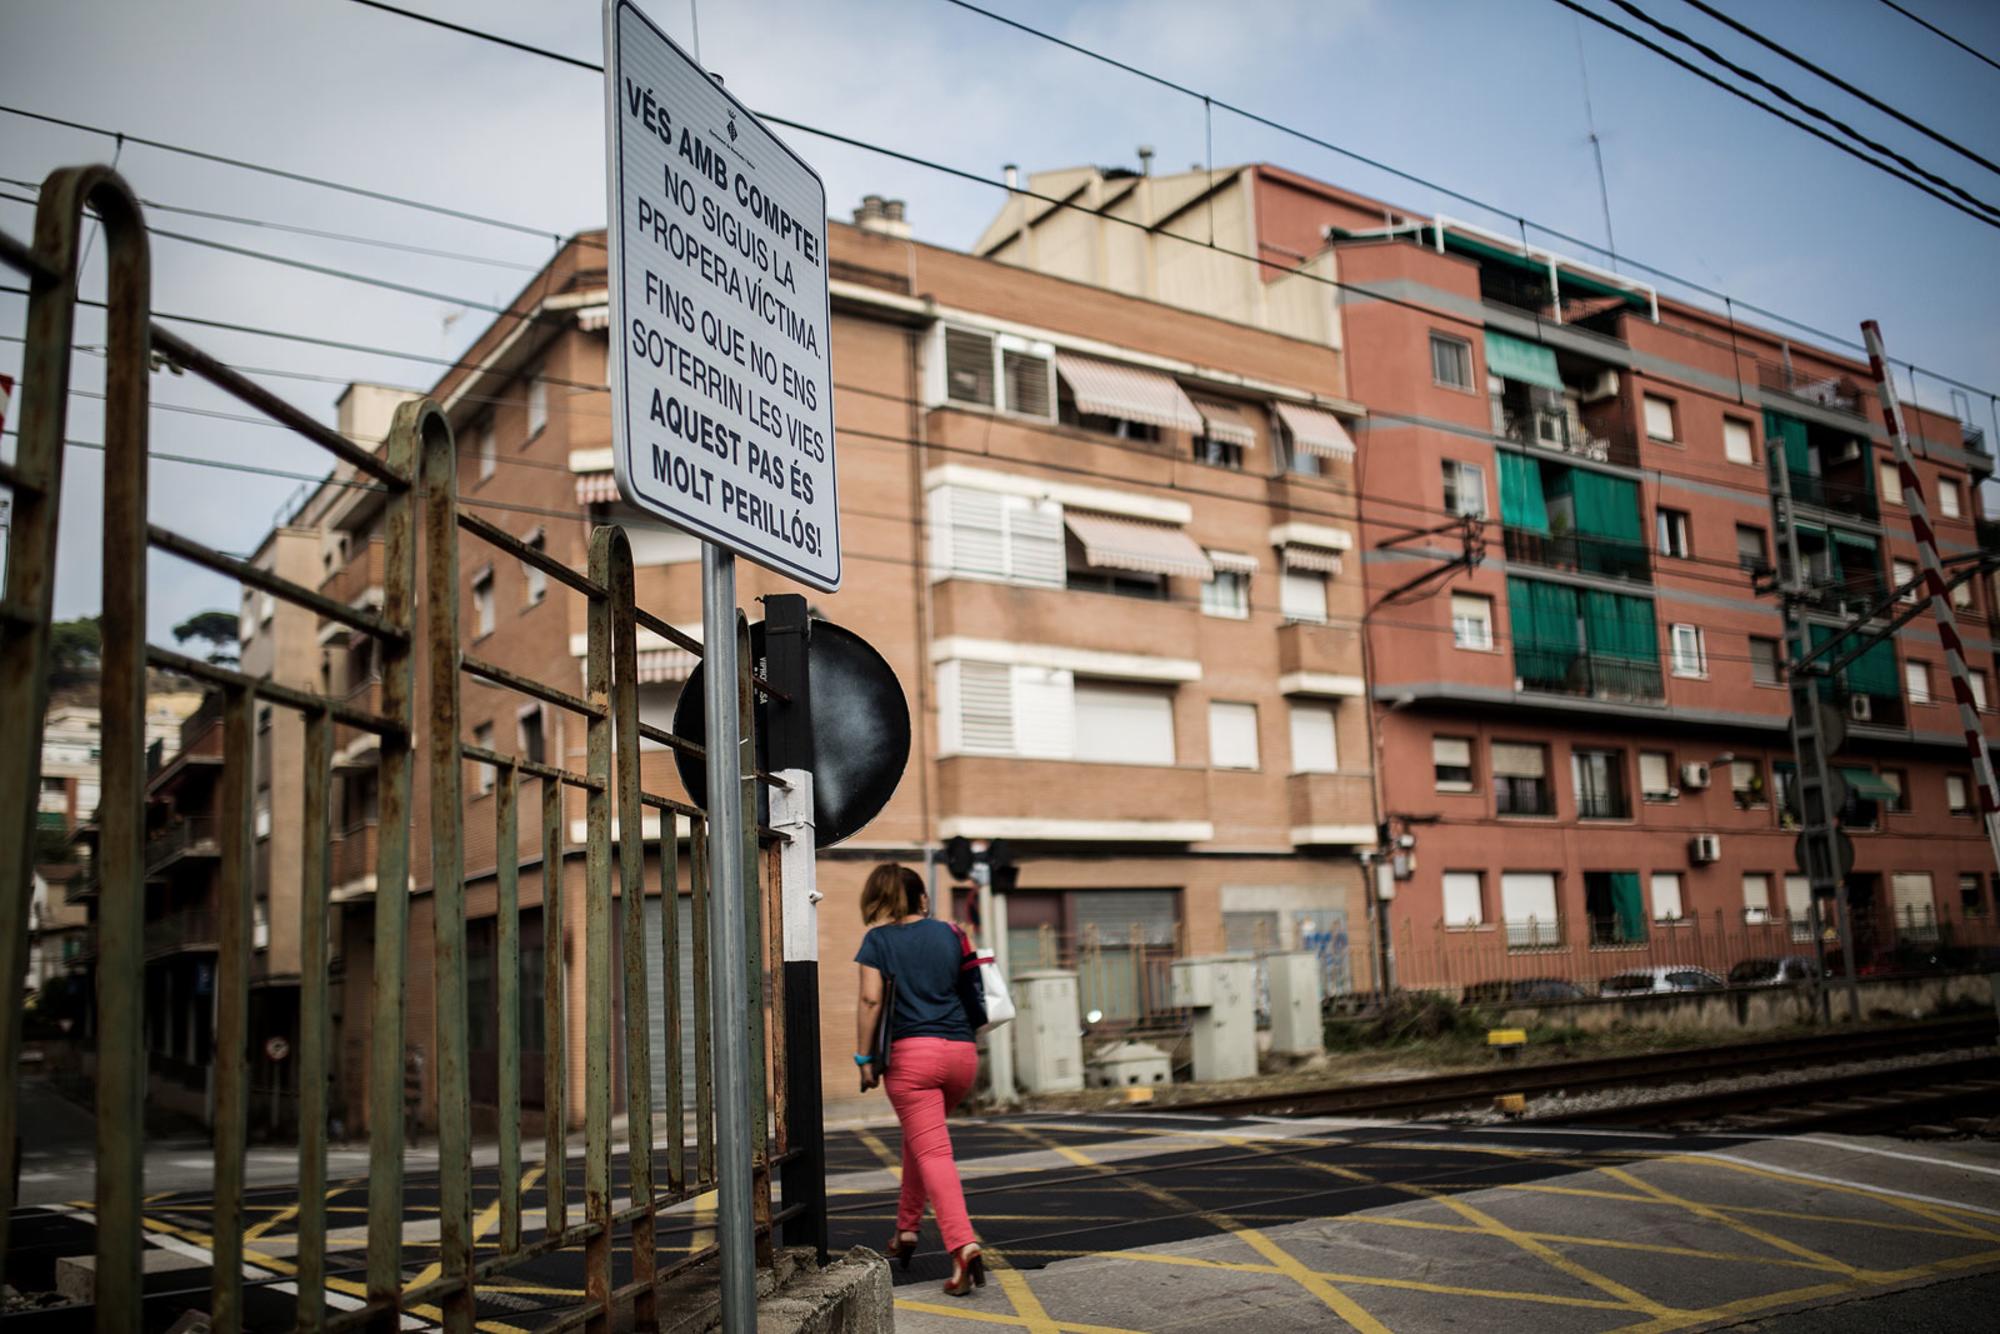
<point>1453,1092</point>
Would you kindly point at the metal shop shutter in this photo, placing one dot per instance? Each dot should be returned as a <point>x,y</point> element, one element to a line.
<point>1116,912</point>
<point>656,1003</point>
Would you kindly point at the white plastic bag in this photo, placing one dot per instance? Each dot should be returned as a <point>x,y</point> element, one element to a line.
<point>999,1005</point>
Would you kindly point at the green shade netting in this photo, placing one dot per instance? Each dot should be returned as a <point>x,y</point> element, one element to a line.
<point>1620,627</point>
<point>1866,544</point>
<point>1866,784</point>
<point>1522,504</point>
<point>1627,906</point>
<point>1606,506</point>
<point>1547,637</point>
<point>1792,431</point>
<point>1514,358</point>
<point>1873,673</point>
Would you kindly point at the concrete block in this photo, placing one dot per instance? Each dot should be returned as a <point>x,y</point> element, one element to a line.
<point>1128,1064</point>
<point>850,1296</point>
<point>76,1275</point>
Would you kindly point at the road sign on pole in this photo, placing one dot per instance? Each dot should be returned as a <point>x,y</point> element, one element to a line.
<point>720,364</point>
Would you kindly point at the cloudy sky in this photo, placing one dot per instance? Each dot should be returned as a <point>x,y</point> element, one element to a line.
<point>1482,96</point>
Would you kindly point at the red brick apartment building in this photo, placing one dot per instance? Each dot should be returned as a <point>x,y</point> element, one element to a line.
<point>1129,640</point>
<point>1583,741</point>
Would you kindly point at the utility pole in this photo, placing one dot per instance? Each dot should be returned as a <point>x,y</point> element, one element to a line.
<point>1828,853</point>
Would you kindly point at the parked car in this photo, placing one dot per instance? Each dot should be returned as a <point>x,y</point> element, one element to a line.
<point>1779,972</point>
<point>1659,981</point>
<point>1523,991</point>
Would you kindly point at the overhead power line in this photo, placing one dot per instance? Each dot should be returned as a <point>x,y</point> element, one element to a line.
<point>1926,23</point>
<point>1840,83</point>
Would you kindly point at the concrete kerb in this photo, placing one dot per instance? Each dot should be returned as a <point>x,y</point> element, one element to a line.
<point>850,1296</point>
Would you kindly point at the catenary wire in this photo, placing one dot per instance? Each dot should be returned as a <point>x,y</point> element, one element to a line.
<point>1932,27</point>
<point>1840,83</point>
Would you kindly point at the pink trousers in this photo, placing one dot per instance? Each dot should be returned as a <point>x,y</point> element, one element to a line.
<point>927,1078</point>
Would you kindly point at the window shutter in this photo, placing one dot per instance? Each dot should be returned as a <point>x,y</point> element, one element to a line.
<point>1659,418</point>
<point>1453,751</point>
<point>1529,895</point>
<point>1514,760</point>
<point>1653,775</point>
<point>985,706</point>
<point>1798,896</point>
<point>978,532</point>
<point>1314,748</point>
<point>1028,382</point>
<point>1666,894</point>
<point>1044,713</point>
<point>1124,724</point>
<point>1912,891</point>
<point>1302,595</point>
<point>1737,445</point>
<point>1232,735</point>
<point>1756,893</point>
<point>1118,914</point>
<point>1461,899</point>
<point>968,367</point>
<point>1035,550</point>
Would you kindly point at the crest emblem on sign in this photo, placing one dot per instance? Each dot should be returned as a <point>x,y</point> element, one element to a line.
<point>732,127</point>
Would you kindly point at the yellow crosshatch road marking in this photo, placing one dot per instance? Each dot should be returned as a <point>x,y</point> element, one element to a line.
<point>1937,1213</point>
<point>888,1156</point>
<point>1752,1231</point>
<point>1547,1254</point>
<point>1378,1281</point>
<point>1795,1215</point>
<point>1018,1322</point>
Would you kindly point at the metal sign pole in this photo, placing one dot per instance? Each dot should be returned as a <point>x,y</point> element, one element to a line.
<point>728,983</point>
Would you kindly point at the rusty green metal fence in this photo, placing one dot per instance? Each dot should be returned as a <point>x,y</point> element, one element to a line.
<point>417,625</point>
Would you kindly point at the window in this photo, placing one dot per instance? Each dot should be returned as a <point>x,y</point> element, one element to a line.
<point>482,603</point>
<point>1798,906</point>
<point>986,535</point>
<point>1004,372</point>
<point>1961,595</point>
<point>1218,453</point>
<point>262,817</point>
<point>1957,798</point>
<point>1471,621</point>
<point>1600,784</point>
<point>1528,901</point>
<point>1667,896</point>
<point>1904,573</point>
<point>538,405</point>
<point>1302,596</point>
<point>1124,724</point>
<point>534,580</point>
<point>1232,735</point>
<point>1970,899</point>
<point>1671,527</point>
<point>1948,502</point>
<point>489,452</point>
<point>1976,679</point>
<point>528,735</point>
<point>1656,776</point>
<point>1464,899</point>
<point>1916,910</point>
<point>1917,681</point>
<point>1738,441</point>
<point>1898,781</point>
<point>1765,663</point>
<point>1746,783</point>
<point>482,774</point>
<point>1751,551</point>
<point>1227,594</point>
<point>267,607</point>
<point>1756,898</point>
<point>1521,779</point>
<point>1451,763</point>
<point>1890,482</point>
<point>1464,489</point>
<point>1451,361</point>
<point>1315,745</point>
<point>1690,652</point>
<point>1660,418</point>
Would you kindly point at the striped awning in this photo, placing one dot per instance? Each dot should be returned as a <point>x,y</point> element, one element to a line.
<point>1233,562</point>
<point>1317,559</point>
<point>1316,431</point>
<point>591,319</point>
<point>665,664</point>
<point>596,488</point>
<point>1111,543</point>
<point>1105,389</point>
<point>1228,423</point>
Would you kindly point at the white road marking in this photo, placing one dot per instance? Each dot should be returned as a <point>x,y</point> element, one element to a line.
<point>1906,1157</point>
<point>1856,1185</point>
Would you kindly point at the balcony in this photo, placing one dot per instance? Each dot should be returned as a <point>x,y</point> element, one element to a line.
<point>1330,801</point>
<point>354,859</point>
<point>1836,392</point>
<point>1835,497</point>
<point>1607,557</point>
<point>366,695</point>
<point>1100,622</point>
<point>360,580</point>
<point>1864,709</point>
<point>1612,679</point>
<point>185,929</point>
<point>1545,428</point>
<point>185,839</point>
<point>1319,650</point>
<point>1060,799</point>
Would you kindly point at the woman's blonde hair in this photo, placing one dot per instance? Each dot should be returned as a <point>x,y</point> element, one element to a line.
<point>892,891</point>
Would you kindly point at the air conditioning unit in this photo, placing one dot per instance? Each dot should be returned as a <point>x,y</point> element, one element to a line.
<point>1605,385</point>
<point>1848,452</point>
<point>1694,776</point>
<point>1705,848</point>
<point>1861,708</point>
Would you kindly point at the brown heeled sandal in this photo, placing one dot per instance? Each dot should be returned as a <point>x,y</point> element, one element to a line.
<point>901,1248</point>
<point>967,1271</point>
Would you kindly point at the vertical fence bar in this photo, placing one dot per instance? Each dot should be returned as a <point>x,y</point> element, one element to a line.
<point>232,1012</point>
<point>624,703</point>
<point>507,979</point>
<point>315,1027</point>
<point>445,771</point>
<point>670,992</point>
<point>755,1002</point>
<point>555,1038</point>
<point>774,954</point>
<point>395,770</point>
<point>704,1026</point>
<point>597,951</point>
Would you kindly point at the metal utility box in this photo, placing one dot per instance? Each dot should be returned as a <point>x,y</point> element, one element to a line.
<point>1221,989</point>
<point>1047,1034</point>
<point>1296,1028</point>
<point>1129,1064</point>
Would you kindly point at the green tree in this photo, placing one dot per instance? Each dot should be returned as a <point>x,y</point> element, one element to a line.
<point>217,629</point>
<point>74,648</point>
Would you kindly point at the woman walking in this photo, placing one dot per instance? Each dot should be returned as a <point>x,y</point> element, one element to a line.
<point>934,1006</point>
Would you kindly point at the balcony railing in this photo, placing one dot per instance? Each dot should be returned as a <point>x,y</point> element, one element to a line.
<point>187,929</point>
<point>1555,431</point>
<point>1606,556</point>
<point>1974,436</point>
<point>1837,392</point>
<point>354,852</point>
<point>363,571</point>
<point>1839,497</point>
<point>191,837</point>
<point>1613,679</point>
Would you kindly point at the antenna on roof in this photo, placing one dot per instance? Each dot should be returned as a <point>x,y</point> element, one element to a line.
<point>1596,150</point>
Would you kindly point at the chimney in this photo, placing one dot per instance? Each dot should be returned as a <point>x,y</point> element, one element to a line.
<point>1145,159</point>
<point>885,217</point>
<point>1013,174</point>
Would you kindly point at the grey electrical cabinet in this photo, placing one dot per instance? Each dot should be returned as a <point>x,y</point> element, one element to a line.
<point>1221,990</point>
<point>1296,1029</point>
<point>1047,1034</point>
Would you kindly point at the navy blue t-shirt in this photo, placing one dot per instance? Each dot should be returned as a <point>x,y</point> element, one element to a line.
<point>924,957</point>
